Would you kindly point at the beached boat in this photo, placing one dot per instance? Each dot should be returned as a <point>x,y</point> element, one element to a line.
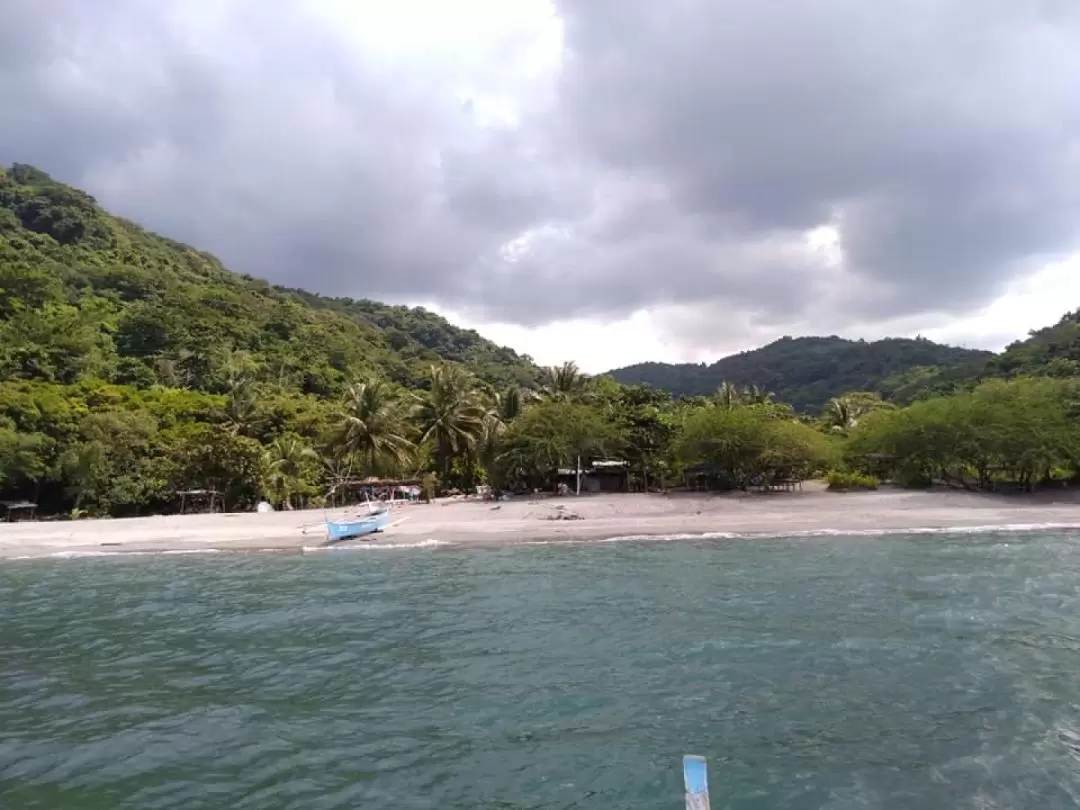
<point>349,529</point>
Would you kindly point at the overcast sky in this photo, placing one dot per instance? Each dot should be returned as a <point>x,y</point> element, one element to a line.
<point>609,181</point>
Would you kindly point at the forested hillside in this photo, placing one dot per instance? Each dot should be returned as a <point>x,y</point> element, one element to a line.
<point>1053,351</point>
<point>808,371</point>
<point>132,365</point>
<point>87,295</point>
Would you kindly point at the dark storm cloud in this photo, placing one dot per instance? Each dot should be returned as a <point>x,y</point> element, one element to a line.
<point>688,148</point>
<point>940,137</point>
<point>271,140</point>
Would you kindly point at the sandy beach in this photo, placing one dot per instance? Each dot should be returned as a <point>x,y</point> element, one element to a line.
<point>524,520</point>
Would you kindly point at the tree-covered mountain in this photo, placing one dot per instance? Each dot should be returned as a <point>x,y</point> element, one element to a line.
<point>85,294</point>
<point>133,367</point>
<point>808,371</point>
<point>1053,351</point>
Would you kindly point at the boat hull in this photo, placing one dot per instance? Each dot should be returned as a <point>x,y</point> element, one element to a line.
<point>339,530</point>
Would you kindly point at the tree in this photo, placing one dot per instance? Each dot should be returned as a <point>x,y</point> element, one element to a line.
<point>728,395</point>
<point>371,426</point>
<point>288,466</point>
<point>844,412</point>
<point>1018,431</point>
<point>756,395</point>
<point>555,434</point>
<point>211,457</point>
<point>450,415</point>
<point>565,383</point>
<point>749,442</point>
<point>647,426</point>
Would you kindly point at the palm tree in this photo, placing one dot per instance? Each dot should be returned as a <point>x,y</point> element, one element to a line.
<point>286,464</point>
<point>565,382</point>
<point>240,406</point>
<point>508,404</point>
<point>728,395</point>
<point>505,407</point>
<point>756,395</point>
<point>844,412</point>
<point>372,426</point>
<point>451,414</point>
<point>839,415</point>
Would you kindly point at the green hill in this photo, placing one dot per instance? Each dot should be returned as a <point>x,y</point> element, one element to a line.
<point>133,367</point>
<point>808,371</point>
<point>1053,351</point>
<point>85,294</point>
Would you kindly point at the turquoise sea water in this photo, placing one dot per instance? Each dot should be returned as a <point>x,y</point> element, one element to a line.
<point>932,671</point>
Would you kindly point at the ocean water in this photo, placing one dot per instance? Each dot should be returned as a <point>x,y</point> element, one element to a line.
<point>919,671</point>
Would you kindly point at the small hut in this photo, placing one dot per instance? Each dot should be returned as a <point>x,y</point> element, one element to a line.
<point>19,510</point>
<point>194,501</point>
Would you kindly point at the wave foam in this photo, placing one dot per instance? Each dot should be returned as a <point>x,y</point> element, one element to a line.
<point>997,528</point>
<point>429,543</point>
<point>74,555</point>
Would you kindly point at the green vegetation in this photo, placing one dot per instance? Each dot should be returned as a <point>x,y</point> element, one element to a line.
<point>807,372</point>
<point>844,481</point>
<point>133,368</point>
<point>1016,433</point>
<point>748,444</point>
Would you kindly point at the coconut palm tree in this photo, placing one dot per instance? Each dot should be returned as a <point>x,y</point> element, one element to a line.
<point>728,395</point>
<point>839,415</point>
<point>286,464</point>
<point>757,395</point>
<point>565,383</point>
<point>508,404</point>
<point>241,407</point>
<point>505,407</point>
<point>451,414</point>
<point>372,426</point>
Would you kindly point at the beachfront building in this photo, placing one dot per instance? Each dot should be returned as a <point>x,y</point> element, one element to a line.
<point>597,475</point>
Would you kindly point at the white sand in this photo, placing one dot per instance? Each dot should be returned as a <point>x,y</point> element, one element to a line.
<point>529,520</point>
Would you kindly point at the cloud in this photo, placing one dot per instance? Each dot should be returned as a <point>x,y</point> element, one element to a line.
<point>297,145</point>
<point>940,141</point>
<point>524,163</point>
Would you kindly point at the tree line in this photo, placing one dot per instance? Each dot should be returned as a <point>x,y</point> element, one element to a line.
<point>98,448</point>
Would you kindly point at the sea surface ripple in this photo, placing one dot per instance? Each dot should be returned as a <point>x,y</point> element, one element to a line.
<point>917,671</point>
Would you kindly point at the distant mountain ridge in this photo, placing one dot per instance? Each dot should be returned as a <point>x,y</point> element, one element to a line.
<point>808,371</point>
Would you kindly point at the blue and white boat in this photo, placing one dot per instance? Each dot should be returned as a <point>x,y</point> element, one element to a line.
<point>351,528</point>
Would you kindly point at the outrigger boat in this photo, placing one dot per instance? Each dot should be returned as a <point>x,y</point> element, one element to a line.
<point>696,782</point>
<point>377,519</point>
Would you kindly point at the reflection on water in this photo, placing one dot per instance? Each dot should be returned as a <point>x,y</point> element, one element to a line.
<point>826,672</point>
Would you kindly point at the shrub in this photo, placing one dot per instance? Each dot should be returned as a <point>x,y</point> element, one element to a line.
<point>841,481</point>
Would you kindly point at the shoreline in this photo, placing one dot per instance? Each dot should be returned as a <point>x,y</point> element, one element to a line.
<point>530,521</point>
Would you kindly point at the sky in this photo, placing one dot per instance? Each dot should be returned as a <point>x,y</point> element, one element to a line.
<point>607,181</point>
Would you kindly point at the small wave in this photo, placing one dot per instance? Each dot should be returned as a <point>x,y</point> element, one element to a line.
<point>429,543</point>
<point>625,538</point>
<point>185,551</point>
<point>1000,528</point>
<point>75,554</point>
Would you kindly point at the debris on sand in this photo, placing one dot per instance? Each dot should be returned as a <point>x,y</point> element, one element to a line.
<point>562,513</point>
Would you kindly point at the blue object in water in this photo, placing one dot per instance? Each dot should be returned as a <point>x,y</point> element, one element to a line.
<point>696,779</point>
<point>338,530</point>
